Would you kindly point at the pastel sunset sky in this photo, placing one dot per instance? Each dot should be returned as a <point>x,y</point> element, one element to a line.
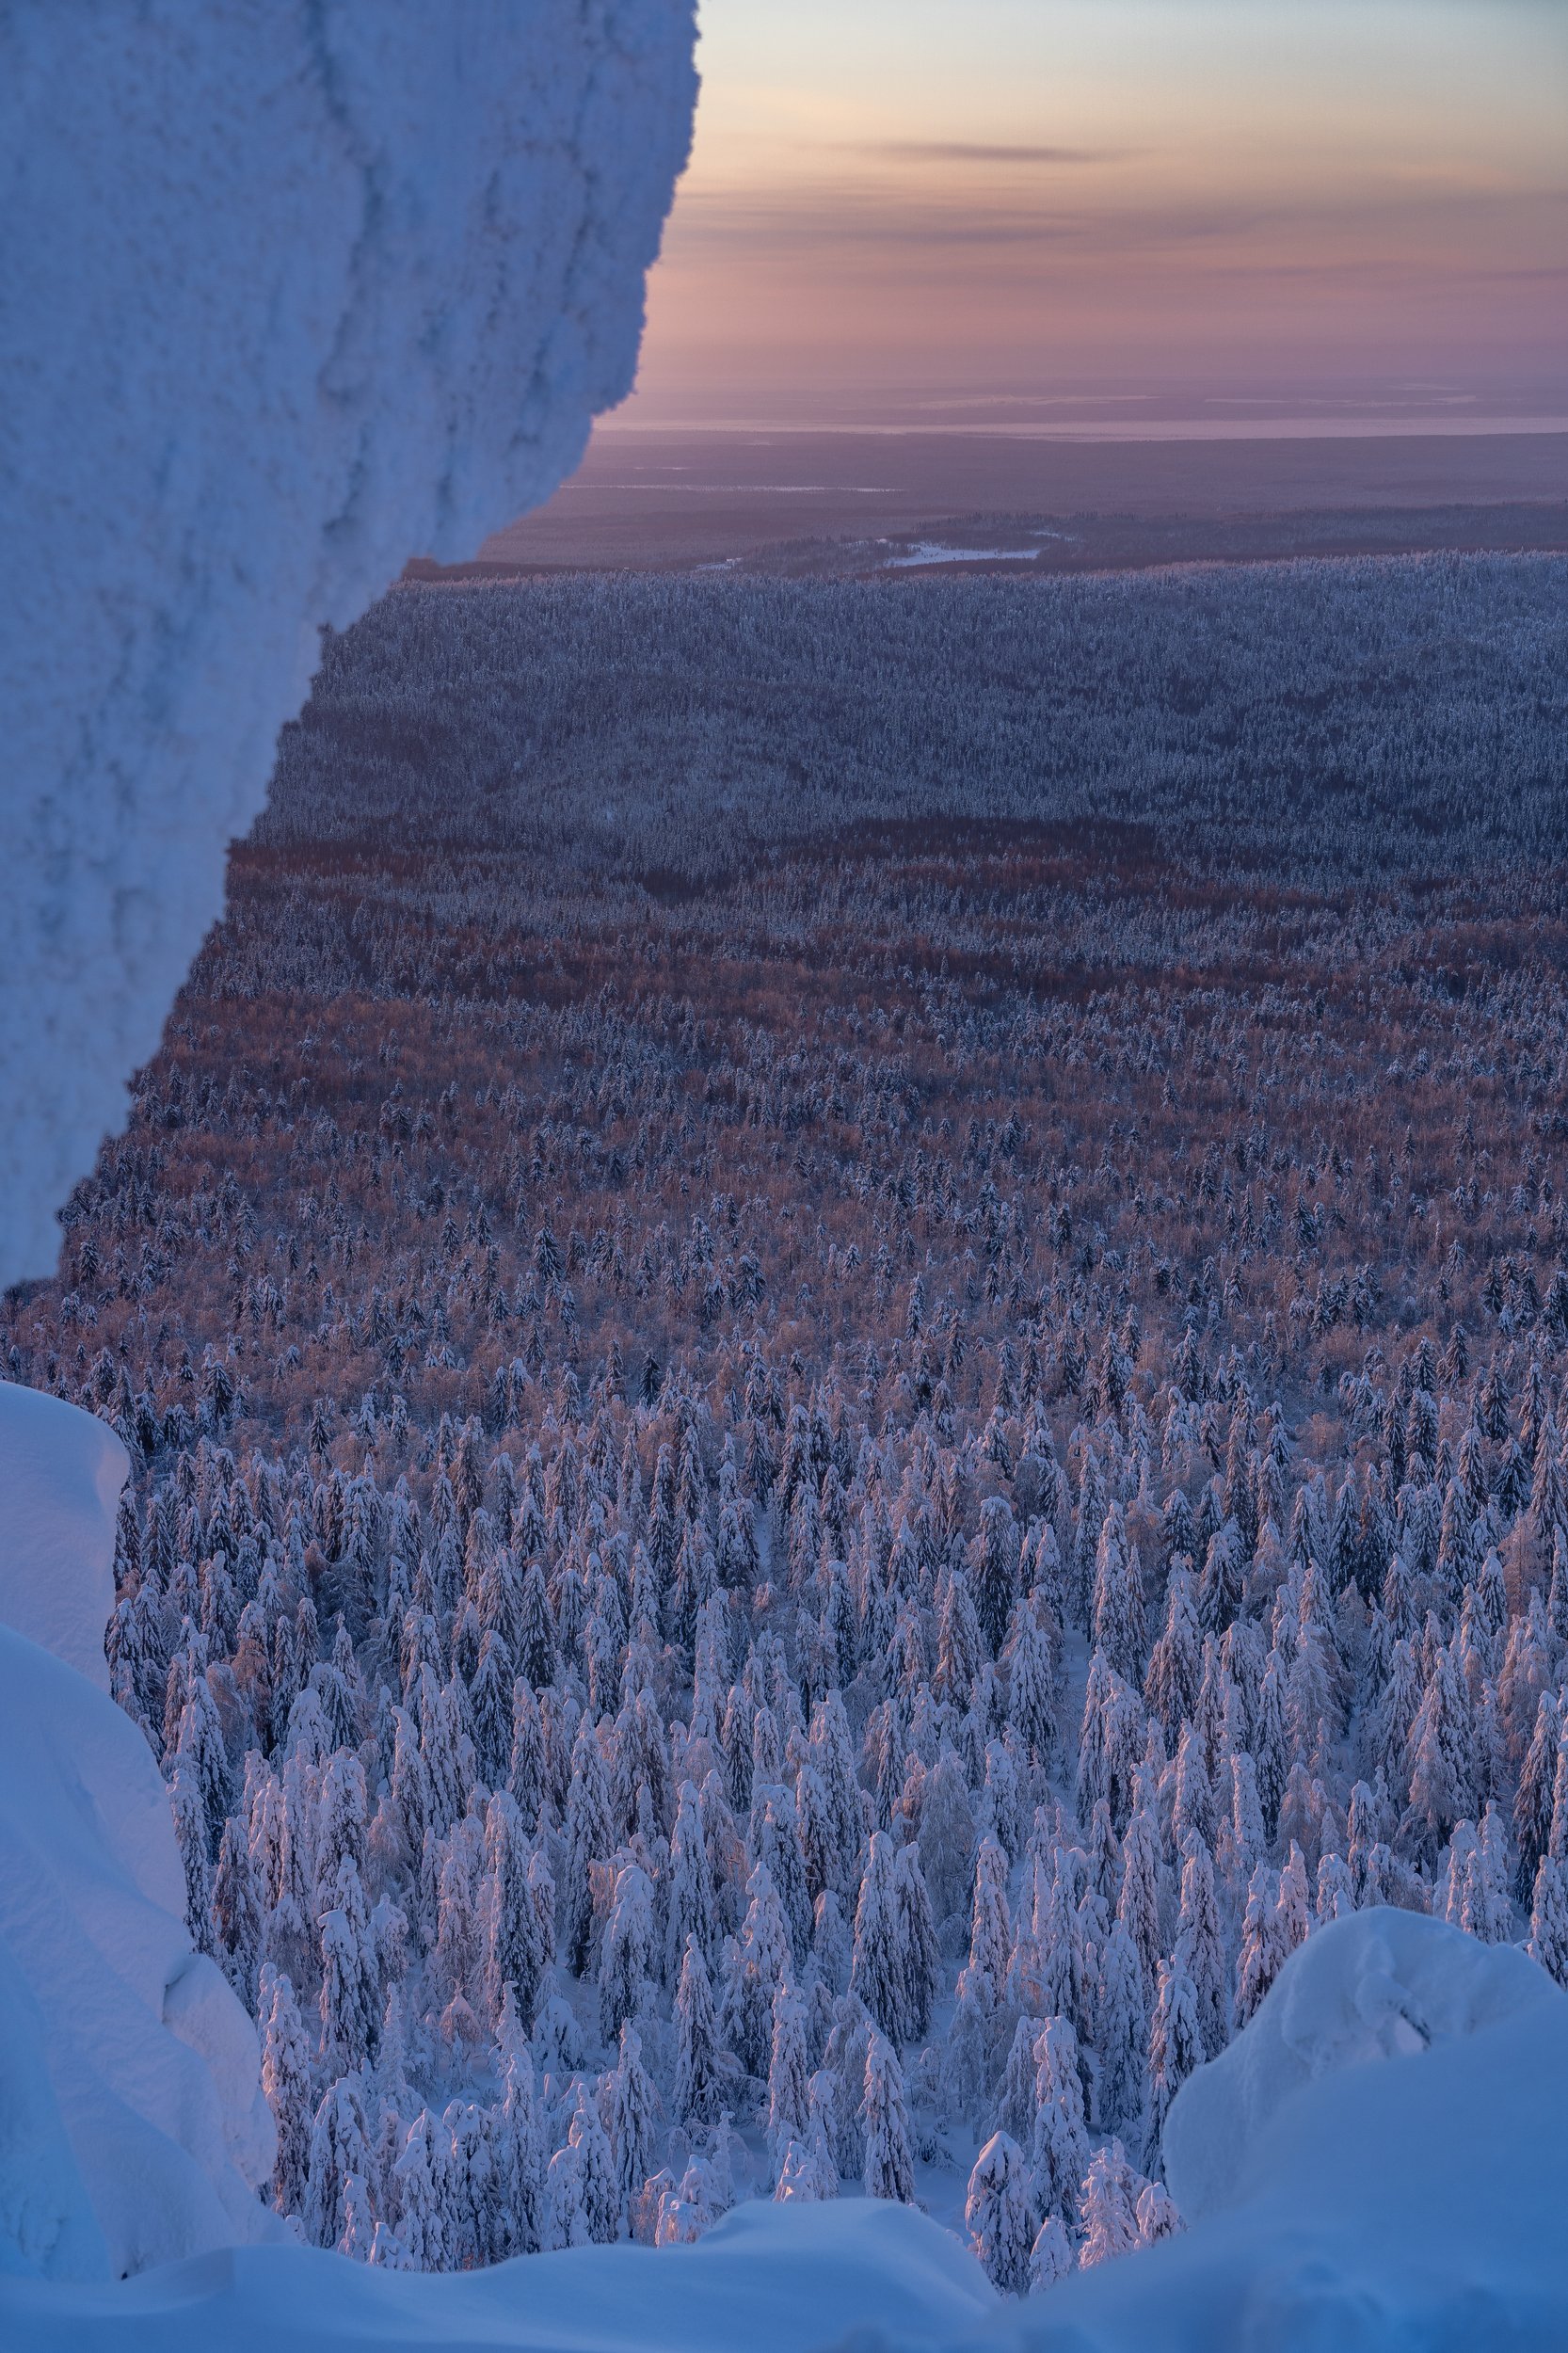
<point>1003,210</point>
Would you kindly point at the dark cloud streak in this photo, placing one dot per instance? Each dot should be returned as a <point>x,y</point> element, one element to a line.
<point>977,151</point>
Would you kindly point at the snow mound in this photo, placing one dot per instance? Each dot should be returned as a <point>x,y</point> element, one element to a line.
<point>60,1475</point>
<point>769,2279</point>
<point>288,293</point>
<point>1371,2165</point>
<point>132,2126</point>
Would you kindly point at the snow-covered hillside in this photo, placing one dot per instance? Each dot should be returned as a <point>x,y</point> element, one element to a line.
<point>287,294</point>
<point>767,2278</point>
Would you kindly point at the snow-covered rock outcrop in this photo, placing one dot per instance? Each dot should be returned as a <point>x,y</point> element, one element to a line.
<point>132,2126</point>
<point>1373,2164</point>
<point>290,289</point>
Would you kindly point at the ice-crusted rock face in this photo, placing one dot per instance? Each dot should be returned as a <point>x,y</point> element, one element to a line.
<point>132,2126</point>
<point>290,289</point>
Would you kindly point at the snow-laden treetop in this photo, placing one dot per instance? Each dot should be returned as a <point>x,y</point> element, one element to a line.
<point>289,290</point>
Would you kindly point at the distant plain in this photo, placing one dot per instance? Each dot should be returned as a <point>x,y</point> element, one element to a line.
<point>850,501</point>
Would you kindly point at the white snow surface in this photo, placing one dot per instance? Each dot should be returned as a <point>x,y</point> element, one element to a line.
<point>290,289</point>
<point>768,2278</point>
<point>60,1475</point>
<point>1375,2163</point>
<point>132,2126</point>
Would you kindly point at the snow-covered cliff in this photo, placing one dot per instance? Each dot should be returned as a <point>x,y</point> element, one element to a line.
<point>290,289</point>
<point>132,2126</point>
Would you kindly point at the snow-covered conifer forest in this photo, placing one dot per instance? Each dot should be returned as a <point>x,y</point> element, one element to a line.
<point>842,1312</point>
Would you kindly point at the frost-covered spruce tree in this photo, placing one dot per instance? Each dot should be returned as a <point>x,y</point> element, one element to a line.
<point>418,2181</point>
<point>1442,1750</point>
<point>778,1846</point>
<point>1058,2144</point>
<point>1176,2048</point>
<point>991,1929</point>
<point>1200,1945</point>
<point>340,2146</point>
<point>879,1969</point>
<point>946,1841</point>
<point>1051,2256</point>
<point>600,2199</point>
<point>472,2185</point>
<point>762,1961</point>
<point>1262,1953</point>
<point>697,2094</point>
<point>190,1833</point>
<point>1171,1684</point>
<point>1138,1904</point>
<point>514,1959</point>
<point>825,2127</point>
<point>359,2225</point>
<point>588,1839</point>
<point>350,1979</point>
<point>1548,1937</point>
<point>1486,1909</point>
<point>690,1904</point>
<point>286,2083</point>
<point>1293,1906</point>
<point>917,1932</point>
<point>520,2148</point>
<point>889,2170</point>
<point>626,1955</point>
<point>788,2072</point>
<point>1532,1801</point>
<point>1243,1840</point>
<point>1122,2040</point>
<point>1031,1685</point>
<point>803,2176</point>
<point>566,2198</point>
<point>1192,1812</point>
<point>994,1570</point>
<point>238,1914</point>
<point>633,2110</point>
<point>1014,2109</point>
<point>1108,2206</point>
<point>1117,1622</point>
<point>998,2213</point>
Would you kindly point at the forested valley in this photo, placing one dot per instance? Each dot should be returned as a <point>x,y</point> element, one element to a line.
<point>845,1388</point>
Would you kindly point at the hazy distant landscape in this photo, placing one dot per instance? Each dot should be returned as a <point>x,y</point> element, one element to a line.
<point>668,498</point>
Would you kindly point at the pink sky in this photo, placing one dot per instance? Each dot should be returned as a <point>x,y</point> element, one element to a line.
<point>985,210</point>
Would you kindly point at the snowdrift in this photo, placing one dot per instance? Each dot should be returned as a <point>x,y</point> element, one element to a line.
<point>287,295</point>
<point>768,2278</point>
<point>132,2126</point>
<point>1372,2164</point>
<point>60,1475</point>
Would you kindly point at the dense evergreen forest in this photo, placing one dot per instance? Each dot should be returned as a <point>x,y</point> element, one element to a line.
<point>842,1314</point>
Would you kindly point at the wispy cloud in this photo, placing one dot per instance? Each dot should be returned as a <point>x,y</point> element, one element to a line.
<point>1437,228</point>
<point>975,151</point>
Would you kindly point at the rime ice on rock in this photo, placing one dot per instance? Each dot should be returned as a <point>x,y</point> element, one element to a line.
<point>287,295</point>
